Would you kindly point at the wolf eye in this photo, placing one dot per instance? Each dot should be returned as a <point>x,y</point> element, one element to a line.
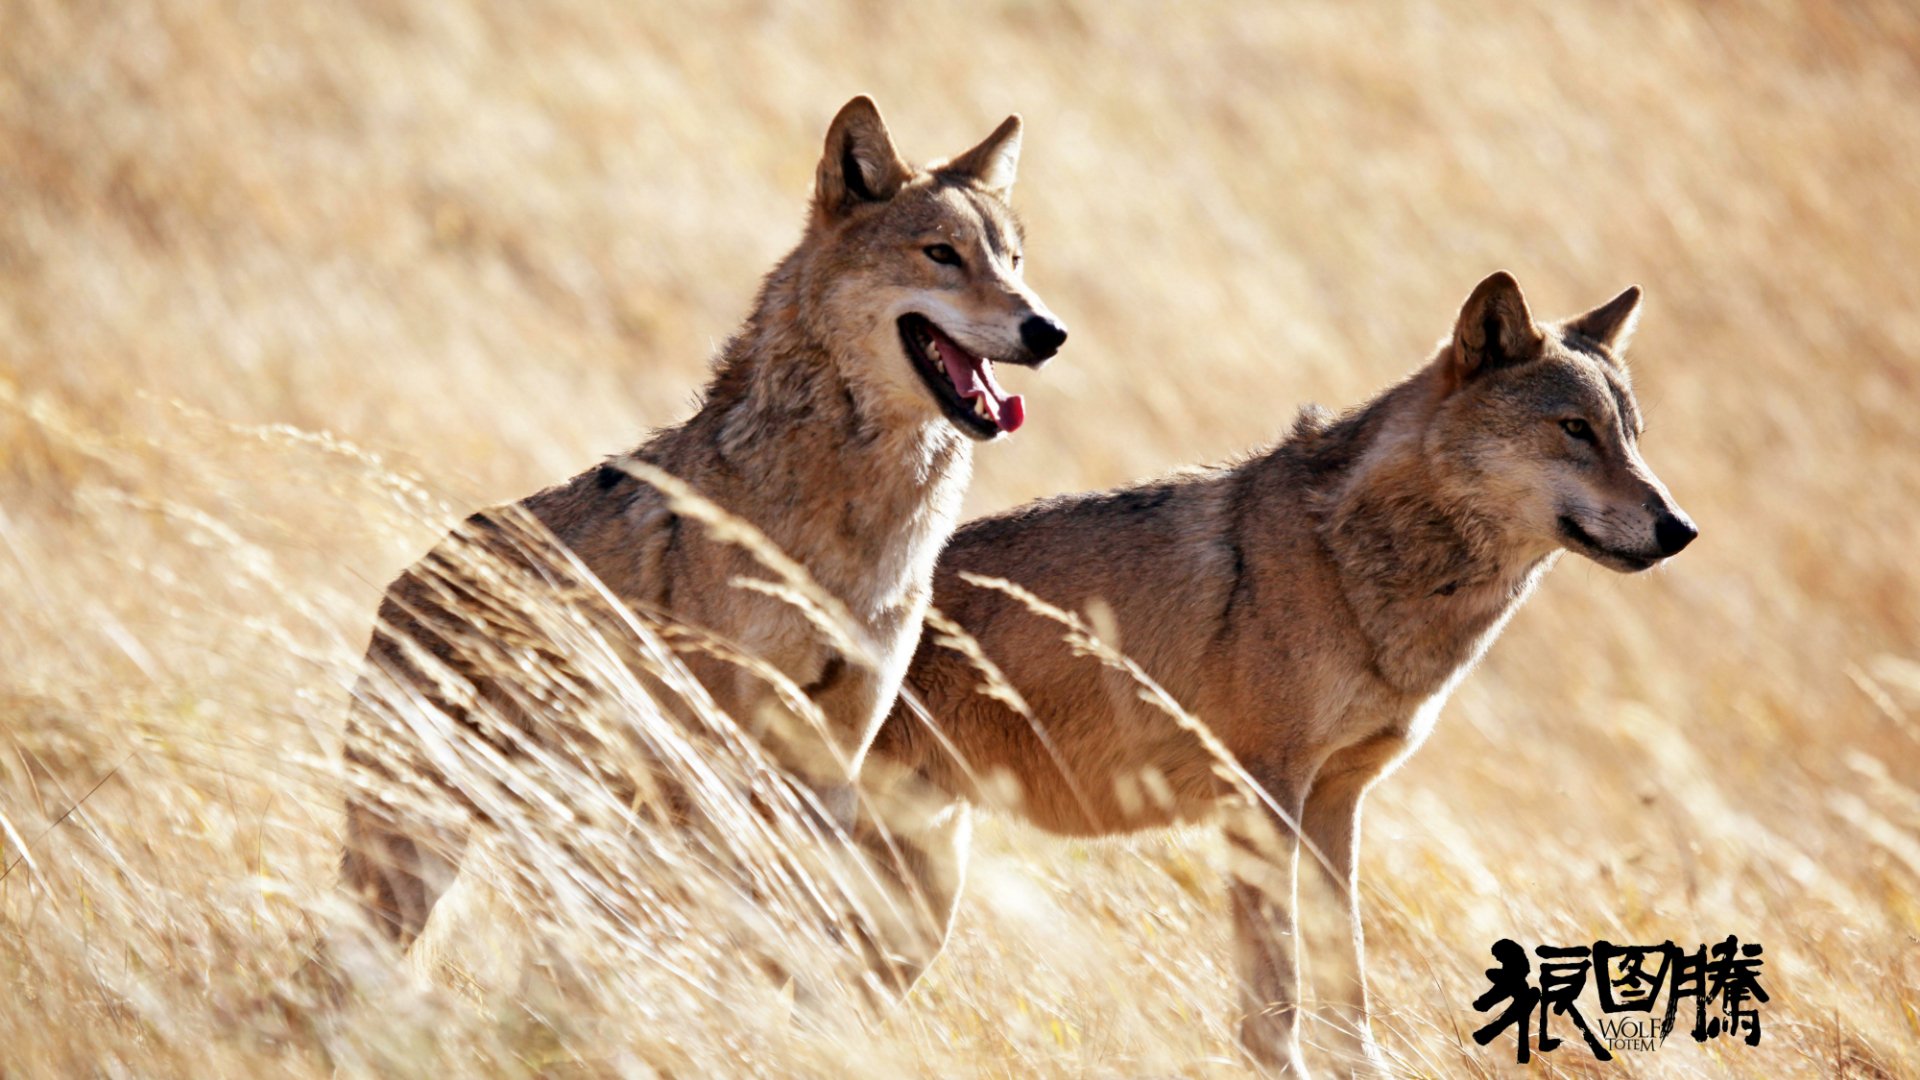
<point>1577,428</point>
<point>943,254</point>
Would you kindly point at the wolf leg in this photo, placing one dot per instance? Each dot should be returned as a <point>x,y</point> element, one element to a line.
<point>919,855</point>
<point>1331,912</point>
<point>1262,852</point>
<point>397,869</point>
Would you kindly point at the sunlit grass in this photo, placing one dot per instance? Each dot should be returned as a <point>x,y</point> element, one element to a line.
<point>285,293</point>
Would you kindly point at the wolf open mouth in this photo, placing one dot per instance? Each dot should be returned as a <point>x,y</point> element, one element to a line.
<point>1584,541</point>
<point>961,382</point>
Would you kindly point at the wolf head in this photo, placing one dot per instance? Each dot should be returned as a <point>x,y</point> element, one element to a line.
<point>913,276</point>
<point>1539,428</point>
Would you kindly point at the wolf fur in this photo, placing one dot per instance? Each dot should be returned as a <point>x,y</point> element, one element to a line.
<point>1314,604</point>
<point>822,426</point>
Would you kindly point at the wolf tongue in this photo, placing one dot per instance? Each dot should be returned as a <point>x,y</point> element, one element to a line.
<point>1009,410</point>
<point>972,377</point>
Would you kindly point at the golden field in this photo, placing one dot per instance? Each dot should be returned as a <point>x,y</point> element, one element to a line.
<point>285,289</point>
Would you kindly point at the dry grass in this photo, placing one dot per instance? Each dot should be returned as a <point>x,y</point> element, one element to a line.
<point>285,288</point>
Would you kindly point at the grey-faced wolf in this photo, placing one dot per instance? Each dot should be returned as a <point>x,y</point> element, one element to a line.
<point>1313,605</point>
<point>839,422</point>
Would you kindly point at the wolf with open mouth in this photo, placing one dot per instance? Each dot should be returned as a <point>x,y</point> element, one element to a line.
<point>849,456</point>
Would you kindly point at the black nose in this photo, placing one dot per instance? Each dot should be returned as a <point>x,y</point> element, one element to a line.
<point>1673,532</point>
<point>1042,336</point>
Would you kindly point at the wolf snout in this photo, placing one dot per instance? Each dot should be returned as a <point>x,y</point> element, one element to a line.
<point>1673,531</point>
<point>1042,335</point>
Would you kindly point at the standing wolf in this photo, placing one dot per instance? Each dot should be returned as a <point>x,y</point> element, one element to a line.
<point>839,422</point>
<point>1314,605</point>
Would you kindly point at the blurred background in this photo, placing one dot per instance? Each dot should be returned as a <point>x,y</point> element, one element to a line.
<point>286,288</point>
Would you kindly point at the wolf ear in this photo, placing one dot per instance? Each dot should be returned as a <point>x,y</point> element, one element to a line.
<point>1495,330</point>
<point>994,162</point>
<point>860,164</point>
<point>1612,323</point>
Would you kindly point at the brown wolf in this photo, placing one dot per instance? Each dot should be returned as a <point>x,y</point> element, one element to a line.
<point>839,422</point>
<point>1313,605</point>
